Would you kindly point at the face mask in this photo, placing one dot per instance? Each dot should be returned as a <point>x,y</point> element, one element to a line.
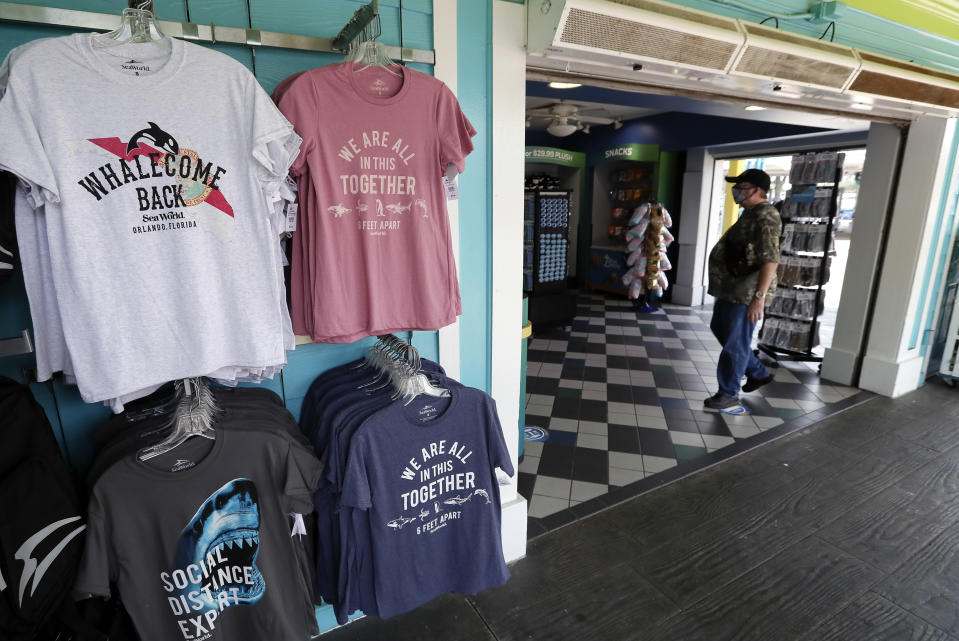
<point>738,196</point>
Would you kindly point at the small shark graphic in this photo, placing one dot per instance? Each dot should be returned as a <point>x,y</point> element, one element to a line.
<point>338,210</point>
<point>398,523</point>
<point>162,139</point>
<point>458,500</point>
<point>397,209</point>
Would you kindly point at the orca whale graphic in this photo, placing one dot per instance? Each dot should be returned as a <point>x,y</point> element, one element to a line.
<point>162,139</point>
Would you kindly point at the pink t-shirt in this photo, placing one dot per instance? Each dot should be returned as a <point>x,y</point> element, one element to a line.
<point>376,256</point>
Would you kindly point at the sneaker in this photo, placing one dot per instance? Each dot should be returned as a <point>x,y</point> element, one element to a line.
<point>720,401</point>
<point>753,384</point>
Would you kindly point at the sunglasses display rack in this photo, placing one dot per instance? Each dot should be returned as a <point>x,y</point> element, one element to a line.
<point>790,328</point>
<point>546,255</point>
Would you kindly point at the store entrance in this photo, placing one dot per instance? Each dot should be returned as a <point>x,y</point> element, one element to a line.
<point>614,392</point>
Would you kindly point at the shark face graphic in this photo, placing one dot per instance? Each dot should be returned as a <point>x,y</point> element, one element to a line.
<point>219,546</point>
<point>162,139</point>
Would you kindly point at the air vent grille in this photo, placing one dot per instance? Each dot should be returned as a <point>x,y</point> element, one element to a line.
<point>907,66</point>
<point>781,65</point>
<point>881,84</point>
<point>674,11</point>
<point>609,33</point>
<point>806,42</point>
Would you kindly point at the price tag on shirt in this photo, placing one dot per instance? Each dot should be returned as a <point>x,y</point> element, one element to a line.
<point>451,187</point>
<point>291,209</point>
<point>299,527</point>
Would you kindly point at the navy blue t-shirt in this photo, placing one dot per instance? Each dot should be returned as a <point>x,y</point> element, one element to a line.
<point>424,472</point>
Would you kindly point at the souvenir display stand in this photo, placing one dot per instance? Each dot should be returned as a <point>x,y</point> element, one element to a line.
<point>624,177</point>
<point>554,180</point>
<point>791,323</point>
<point>547,215</point>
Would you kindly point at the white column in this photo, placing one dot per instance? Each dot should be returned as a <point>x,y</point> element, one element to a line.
<point>445,69</point>
<point>509,131</point>
<point>842,359</point>
<point>890,367</point>
<point>693,228</point>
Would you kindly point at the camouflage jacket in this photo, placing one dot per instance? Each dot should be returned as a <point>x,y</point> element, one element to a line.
<point>751,241</point>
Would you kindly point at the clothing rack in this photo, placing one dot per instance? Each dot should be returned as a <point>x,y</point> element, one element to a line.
<point>362,18</point>
<point>90,20</point>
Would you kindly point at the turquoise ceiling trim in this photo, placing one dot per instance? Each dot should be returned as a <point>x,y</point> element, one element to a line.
<point>854,28</point>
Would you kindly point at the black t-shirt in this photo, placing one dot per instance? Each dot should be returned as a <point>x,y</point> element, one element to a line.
<point>42,517</point>
<point>8,234</point>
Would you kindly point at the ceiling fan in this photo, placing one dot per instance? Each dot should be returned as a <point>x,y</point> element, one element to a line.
<point>565,118</point>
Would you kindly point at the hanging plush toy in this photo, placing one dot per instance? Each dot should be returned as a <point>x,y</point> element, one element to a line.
<point>648,238</point>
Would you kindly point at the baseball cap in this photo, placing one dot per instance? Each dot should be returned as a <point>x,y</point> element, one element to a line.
<point>756,177</point>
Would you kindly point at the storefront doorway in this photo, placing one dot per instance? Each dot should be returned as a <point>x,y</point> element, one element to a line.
<point>616,391</point>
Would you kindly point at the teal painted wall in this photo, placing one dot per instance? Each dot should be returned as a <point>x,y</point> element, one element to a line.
<point>474,89</point>
<point>74,421</point>
<point>943,236</point>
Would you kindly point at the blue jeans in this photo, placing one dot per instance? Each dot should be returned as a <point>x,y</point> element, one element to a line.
<point>735,334</point>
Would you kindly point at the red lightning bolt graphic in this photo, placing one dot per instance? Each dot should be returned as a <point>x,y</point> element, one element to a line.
<point>115,146</point>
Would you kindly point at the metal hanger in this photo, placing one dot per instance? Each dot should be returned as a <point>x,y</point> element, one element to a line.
<point>402,364</point>
<point>194,416</point>
<point>137,25</point>
<point>379,359</point>
<point>368,52</point>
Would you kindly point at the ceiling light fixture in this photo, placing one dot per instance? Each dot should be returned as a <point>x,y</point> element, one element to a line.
<point>529,121</point>
<point>754,108</point>
<point>561,128</point>
<point>861,105</point>
<point>617,123</point>
<point>564,85</point>
<point>586,129</point>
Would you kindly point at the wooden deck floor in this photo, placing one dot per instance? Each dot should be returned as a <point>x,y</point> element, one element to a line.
<point>846,530</point>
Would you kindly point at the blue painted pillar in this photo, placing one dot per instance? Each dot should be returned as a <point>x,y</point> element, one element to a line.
<point>474,89</point>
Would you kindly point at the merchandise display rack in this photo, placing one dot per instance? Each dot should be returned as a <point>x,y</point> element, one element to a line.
<point>551,240</point>
<point>630,184</point>
<point>546,259</point>
<point>790,328</point>
<point>630,187</point>
<point>529,237</point>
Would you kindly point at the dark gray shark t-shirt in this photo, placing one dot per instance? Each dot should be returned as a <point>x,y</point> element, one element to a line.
<point>198,541</point>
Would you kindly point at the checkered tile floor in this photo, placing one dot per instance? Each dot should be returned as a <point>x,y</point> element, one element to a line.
<point>621,394</point>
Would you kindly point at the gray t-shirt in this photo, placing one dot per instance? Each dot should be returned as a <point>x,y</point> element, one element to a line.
<point>205,552</point>
<point>156,170</point>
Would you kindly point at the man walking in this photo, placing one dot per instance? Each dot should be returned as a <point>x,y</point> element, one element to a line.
<point>742,279</point>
